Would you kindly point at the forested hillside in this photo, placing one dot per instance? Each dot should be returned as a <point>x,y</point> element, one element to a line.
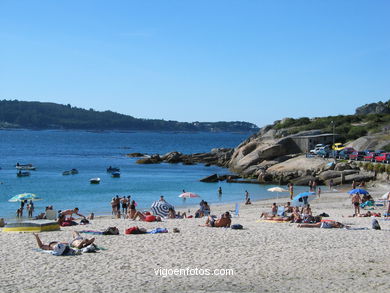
<point>37,115</point>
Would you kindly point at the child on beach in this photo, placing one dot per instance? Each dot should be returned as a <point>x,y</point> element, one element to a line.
<point>274,209</point>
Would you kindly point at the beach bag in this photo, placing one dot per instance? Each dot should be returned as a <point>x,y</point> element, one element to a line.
<point>375,224</point>
<point>236,226</point>
<point>111,231</point>
<point>84,221</point>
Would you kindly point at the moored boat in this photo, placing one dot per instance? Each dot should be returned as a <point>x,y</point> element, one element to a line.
<point>70,172</point>
<point>94,180</point>
<point>23,174</point>
<point>25,167</point>
<point>113,169</point>
<point>116,174</point>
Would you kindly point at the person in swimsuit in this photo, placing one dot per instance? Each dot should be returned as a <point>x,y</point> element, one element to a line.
<point>327,225</point>
<point>124,205</point>
<point>356,200</point>
<point>223,221</point>
<point>274,209</point>
<point>77,242</point>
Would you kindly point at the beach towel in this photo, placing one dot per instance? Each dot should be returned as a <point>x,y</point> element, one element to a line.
<point>158,230</point>
<point>273,221</point>
<point>92,232</point>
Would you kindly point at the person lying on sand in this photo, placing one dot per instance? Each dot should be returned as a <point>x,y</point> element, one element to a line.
<point>77,242</point>
<point>368,214</point>
<point>266,216</point>
<point>327,224</point>
<point>223,221</point>
<point>173,215</point>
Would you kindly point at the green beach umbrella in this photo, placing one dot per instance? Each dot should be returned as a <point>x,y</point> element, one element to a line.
<point>24,196</point>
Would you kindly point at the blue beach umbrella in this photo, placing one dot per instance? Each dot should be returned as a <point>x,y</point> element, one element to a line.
<point>302,198</point>
<point>358,190</point>
<point>24,196</point>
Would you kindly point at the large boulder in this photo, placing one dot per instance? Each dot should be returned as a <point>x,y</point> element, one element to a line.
<point>302,165</point>
<point>211,178</point>
<point>172,157</point>
<point>327,175</point>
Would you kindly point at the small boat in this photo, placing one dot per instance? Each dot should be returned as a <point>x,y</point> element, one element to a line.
<point>23,174</point>
<point>70,172</point>
<point>25,167</point>
<point>116,174</point>
<point>113,169</point>
<point>94,180</point>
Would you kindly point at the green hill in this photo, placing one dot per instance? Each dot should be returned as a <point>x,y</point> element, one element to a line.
<point>37,115</point>
<point>368,120</point>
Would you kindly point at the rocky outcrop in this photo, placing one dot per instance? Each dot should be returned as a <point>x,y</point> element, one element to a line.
<point>219,157</point>
<point>373,108</point>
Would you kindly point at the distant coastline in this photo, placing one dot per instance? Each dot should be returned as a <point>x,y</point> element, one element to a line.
<point>16,114</point>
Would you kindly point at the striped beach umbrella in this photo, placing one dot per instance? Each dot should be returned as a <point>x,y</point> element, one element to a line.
<point>161,208</point>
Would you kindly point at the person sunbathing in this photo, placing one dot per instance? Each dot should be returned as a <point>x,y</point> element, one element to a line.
<point>134,214</point>
<point>296,216</point>
<point>77,242</point>
<point>288,208</point>
<point>223,221</point>
<point>368,214</point>
<point>173,215</point>
<point>327,224</point>
<point>266,216</point>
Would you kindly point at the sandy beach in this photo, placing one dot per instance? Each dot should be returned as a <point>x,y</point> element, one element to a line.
<point>264,257</point>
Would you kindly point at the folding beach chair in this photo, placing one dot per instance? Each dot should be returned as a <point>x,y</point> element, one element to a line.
<point>236,211</point>
<point>281,211</point>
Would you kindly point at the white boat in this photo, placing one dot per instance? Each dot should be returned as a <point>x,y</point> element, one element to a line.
<point>24,167</point>
<point>94,180</point>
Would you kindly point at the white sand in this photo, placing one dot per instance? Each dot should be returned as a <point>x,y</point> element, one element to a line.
<point>265,257</point>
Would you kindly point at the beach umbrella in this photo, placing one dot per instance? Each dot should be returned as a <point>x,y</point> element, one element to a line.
<point>299,200</point>
<point>277,189</point>
<point>24,196</point>
<point>358,190</point>
<point>188,195</point>
<point>161,208</point>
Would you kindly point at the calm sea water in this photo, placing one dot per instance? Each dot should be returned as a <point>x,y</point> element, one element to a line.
<point>53,152</point>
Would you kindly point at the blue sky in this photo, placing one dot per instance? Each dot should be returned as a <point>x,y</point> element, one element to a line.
<point>255,61</point>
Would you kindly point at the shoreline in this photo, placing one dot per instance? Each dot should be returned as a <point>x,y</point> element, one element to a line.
<point>274,257</point>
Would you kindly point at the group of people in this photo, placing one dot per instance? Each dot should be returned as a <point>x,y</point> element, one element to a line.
<point>290,214</point>
<point>29,206</point>
<point>118,202</point>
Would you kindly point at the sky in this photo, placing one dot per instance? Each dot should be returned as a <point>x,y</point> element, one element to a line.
<point>254,61</point>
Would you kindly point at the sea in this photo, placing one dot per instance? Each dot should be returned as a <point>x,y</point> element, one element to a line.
<point>54,151</point>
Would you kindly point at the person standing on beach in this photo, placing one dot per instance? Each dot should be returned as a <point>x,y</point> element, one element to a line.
<point>356,200</point>
<point>30,209</point>
<point>353,184</point>
<point>310,186</point>
<point>331,184</point>
<point>125,204</point>
<point>291,189</point>
<point>319,192</point>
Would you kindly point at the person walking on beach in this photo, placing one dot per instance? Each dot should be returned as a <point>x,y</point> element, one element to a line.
<point>356,200</point>
<point>291,189</point>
